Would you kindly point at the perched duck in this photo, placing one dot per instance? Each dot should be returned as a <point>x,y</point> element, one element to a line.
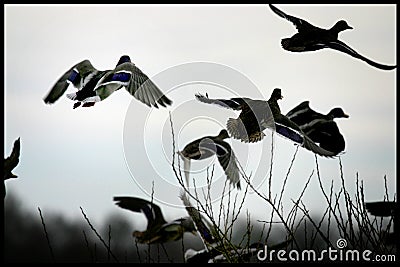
<point>10,163</point>
<point>255,115</point>
<point>252,121</point>
<point>321,128</point>
<point>312,38</point>
<point>157,230</point>
<point>95,85</point>
<point>208,146</point>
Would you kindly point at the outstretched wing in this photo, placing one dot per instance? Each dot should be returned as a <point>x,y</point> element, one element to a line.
<point>12,161</point>
<point>303,140</point>
<point>342,47</point>
<point>141,87</point>
<point>301,24</point>
<point>225,156</point>
<point>152,212</point>
<point>227,159</point>
<point>233,103</point>
<point>74,75</point>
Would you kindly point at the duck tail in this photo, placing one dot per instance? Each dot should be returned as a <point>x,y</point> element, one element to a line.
<point>285,43</point>
<point>72,96</point>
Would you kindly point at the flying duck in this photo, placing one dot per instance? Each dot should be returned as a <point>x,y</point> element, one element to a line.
<point>10,163</point>
<point>255,115</point>
<point>157,230</point>
<point>96,85</point>
<point>312,38</point>
<point>321,128</point>
<point>382,208</point>
<point>208,146</point>
<point>252,121</point>
<point>203,226</point>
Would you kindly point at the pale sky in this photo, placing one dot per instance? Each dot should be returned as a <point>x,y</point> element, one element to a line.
<point>84,157</point>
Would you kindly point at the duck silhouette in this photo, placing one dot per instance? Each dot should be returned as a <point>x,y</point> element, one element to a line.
<point>321,128</point>
<point>158,230</point>
<point>96,85</point>
<point>10,163</point>
<point>312,38</point>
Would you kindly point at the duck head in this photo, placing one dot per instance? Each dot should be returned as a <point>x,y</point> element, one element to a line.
<point>123,59</point>
<point>223,134</point>
<point>337,113</point>
<point>342,25</point>
<point>277,94</point>
<point>188,224</point>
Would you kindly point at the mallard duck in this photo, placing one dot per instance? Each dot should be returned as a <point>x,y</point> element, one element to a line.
<point>252,121</point>
<point>312,38</point>
<point>203,226</point>
<point>10,163</point>
<point>95,85</point>
<point>208,146</point>
<point>157,230</point>
<point>254,118</point>
<point>321,128</point>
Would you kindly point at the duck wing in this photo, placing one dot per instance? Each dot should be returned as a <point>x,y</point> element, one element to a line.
<point>301,24</point>
<point>327,135</point>
<point>304,116</point>
<point>74,75</point>
<point>233,103</point>
<point>303,140</point>
<point>154,216</point>
<point>203,226</point>
<point>139,85</point>
<point>12,161</point>
<point>226,158</point>
<point>342,47</point>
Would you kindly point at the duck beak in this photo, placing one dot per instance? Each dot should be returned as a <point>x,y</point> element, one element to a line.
<point>345,115</point>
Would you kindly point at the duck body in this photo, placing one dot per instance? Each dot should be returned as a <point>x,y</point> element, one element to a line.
<point>96,85</point>
<point>255,116</point>
<point>312,38</point>
<point>158,230</point>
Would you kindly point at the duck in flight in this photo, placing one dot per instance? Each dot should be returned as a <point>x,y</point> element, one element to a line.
<point>96,85</point>
<point>321,128</point>
<point>10,163</point>
<point>255,115</point>
<point>158,230</point>
<point>312,38</point>
<point>209,146</point>
<point>258,115</point>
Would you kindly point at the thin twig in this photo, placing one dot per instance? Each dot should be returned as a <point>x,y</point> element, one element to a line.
<point>97,234</point>
<point>47,236</point>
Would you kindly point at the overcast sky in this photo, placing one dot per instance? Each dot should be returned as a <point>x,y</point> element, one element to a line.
<point>84,157</point>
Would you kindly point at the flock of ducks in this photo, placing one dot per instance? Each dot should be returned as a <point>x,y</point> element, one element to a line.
<point>309,129</point>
